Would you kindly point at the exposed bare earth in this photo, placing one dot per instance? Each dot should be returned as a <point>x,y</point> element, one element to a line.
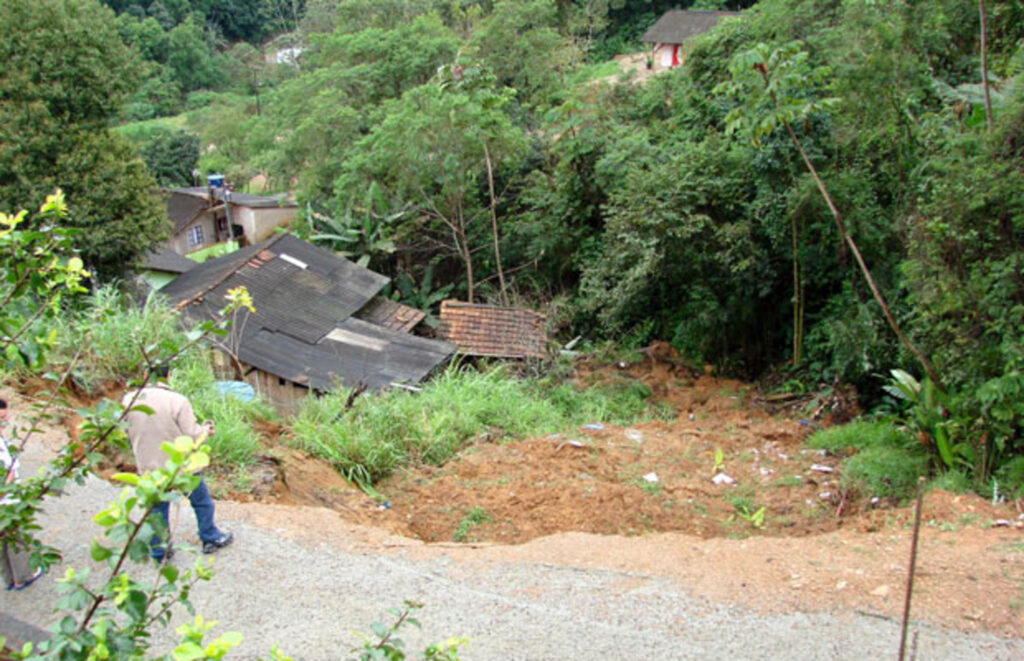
<point>580,499</point>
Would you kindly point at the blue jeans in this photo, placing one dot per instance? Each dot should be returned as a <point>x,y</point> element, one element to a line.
<point>202,505</point>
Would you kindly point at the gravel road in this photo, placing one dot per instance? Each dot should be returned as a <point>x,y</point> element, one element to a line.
<point>303,579</point>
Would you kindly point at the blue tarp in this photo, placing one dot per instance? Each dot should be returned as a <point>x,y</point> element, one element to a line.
<point>240,390</point>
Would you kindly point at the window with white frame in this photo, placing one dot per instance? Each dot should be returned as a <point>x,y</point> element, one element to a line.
<point>195,236</point>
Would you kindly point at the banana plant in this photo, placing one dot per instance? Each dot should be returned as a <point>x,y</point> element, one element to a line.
<point>929,415</point>
<point>361,231</point>
<point>421,295</point>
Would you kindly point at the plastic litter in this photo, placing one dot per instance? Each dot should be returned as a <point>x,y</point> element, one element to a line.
<point>593,426</point>
<point>821,468</point>
<point>722,478</point>
<point>651,477</point>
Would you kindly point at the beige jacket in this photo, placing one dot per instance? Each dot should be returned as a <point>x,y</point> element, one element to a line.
<point>172,417</point>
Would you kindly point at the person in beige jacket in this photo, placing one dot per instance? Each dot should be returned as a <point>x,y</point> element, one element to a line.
<point>172,417</point>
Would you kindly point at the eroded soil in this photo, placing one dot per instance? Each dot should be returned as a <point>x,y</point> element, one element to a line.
<point>782,535</point>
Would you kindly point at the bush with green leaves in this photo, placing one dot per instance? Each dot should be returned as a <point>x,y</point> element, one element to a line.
<point>109,335</point>
<point>397,428</point>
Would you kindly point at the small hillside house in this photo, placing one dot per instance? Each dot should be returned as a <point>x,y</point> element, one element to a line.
<point>668,36</point>
<point>317,323</point>
<point>203,217</point>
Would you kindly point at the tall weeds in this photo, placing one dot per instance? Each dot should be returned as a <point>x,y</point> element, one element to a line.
<point>397,428</point>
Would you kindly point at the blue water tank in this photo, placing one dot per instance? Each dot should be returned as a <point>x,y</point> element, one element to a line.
<point>215,180</point>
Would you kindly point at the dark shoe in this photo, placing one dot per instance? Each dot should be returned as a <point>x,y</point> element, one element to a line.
<point>219,543</point>
<point>35,577</point>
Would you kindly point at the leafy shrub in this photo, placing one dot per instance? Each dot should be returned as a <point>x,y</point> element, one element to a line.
<point>1011,477</point>
<point>115,330</point>
<point>884,471</point>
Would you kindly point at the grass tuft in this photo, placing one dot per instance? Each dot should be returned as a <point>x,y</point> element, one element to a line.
<point>857,435</point>
<point>884,471</point>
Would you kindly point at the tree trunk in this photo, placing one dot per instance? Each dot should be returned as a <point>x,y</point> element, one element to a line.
<point>797,298</point>
<point>984,67</point>
<point>467,256</point>
<point>494,225</point>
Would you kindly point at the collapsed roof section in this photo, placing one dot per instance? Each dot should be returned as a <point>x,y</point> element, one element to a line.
<point>488,330</point>
<point>303,330</point>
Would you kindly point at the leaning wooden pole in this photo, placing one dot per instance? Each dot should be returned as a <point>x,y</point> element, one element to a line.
<point>911,569</point>
<point>845,235</point>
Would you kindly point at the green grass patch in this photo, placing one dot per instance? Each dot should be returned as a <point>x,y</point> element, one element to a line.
<point>857,435</point>
<point>397,428</point>
<point>884,471</point>
<point>589,72</point>
<point>143,131</point>
<point>473,518</point>
<point>953,481</point>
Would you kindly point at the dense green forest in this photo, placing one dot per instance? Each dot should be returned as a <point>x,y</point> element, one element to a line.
<point>491,150</point>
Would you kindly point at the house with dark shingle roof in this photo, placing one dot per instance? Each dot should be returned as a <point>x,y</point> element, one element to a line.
<point>203,217</point>
<point>308,333</point>
<point>670,33</point>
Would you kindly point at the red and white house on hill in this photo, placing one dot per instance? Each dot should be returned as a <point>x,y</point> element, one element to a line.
<point>668,36</point>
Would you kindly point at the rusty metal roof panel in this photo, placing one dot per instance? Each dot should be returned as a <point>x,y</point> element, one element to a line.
<point>391,314</point>
<point>487,330</point>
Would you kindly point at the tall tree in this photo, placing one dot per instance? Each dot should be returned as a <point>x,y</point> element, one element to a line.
<point>433,151</point>
<point>64,74</point>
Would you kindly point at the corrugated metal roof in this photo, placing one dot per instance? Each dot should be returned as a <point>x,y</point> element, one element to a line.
<point>165,259</point>
<point>487,330</point>
<point>303,294</point>
<point>677,25</point>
